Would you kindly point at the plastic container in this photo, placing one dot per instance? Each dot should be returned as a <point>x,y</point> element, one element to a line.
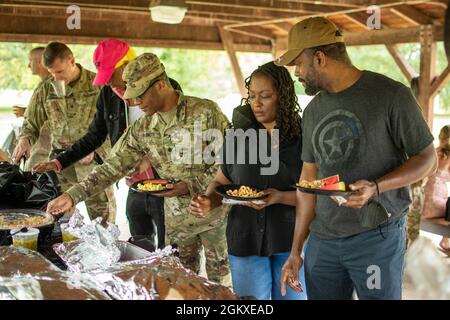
<point>66,235</point>
<point>28,239</point>
<point>130,252</point>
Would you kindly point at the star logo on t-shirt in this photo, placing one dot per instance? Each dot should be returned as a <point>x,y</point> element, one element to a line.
<point>337,139</point>
<point>335,143</point>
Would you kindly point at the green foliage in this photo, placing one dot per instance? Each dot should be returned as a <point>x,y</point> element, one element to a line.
<point>14,73</point>
<point>208,73</point>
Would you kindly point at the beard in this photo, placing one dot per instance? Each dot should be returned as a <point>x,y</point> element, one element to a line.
<point>311,88</point>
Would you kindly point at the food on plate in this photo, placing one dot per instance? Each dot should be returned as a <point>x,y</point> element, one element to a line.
<point>245,192</point>
<point>330,183</point>
<point>19,220</point>
<point>151,186</point>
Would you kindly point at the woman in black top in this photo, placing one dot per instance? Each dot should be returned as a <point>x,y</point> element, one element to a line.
<point>259,236</point>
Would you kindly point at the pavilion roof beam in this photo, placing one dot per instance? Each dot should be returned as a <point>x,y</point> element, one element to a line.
<point>272,5</point>
<point>359,18</point>
<point>221,18</point>
<point>227,40</point>
<point>439,83</point>
<point>87,13</point>
<point>442,3</point>
<point>412,15</point>
<point>407,70</point>
<point>34,29</point>
<point>135,5</point>
<point>156,43</point>
<point>255,32</point>
<point>390,36</point>
<point>381,3</point>
<point>243,12</point>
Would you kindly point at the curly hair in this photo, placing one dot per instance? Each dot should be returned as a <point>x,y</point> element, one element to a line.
<point>444,140</point>
<point>288,119</point>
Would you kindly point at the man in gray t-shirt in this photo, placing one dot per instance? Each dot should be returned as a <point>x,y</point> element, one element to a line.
<point>370,130</point>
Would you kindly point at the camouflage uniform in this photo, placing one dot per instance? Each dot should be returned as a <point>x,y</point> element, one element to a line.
<point>68,119</point>
<point>157,136</point>
<point>415,211</point>
<point>41,149</point>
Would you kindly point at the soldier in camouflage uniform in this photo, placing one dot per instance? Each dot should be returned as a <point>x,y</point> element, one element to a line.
<point>159,135</point>
<point>68,116</point>
<point>41,149</point>
<point>415,212</point>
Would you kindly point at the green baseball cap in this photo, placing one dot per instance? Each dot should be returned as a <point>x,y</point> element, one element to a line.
<point>309,33</point>
<point>140,73</point>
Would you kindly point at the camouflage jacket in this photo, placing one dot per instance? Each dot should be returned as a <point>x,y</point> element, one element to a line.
<point>35,92</point>
<point>68,117</point>
<point>151,136</point>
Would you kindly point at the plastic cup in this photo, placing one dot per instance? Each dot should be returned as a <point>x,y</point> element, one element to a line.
<point>28,239</point>
<point>66,235</point>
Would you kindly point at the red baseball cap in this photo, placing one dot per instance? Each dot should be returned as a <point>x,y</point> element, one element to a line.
<point>107,55</point>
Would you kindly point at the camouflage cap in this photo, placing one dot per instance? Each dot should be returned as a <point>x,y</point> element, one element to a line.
<point>140,73</point>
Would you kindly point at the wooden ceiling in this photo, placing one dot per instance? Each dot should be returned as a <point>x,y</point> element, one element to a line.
<point>252,25</point>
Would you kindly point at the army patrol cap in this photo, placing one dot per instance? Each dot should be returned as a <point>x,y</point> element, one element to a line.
<point>309,33</point>
<point>140,73</point>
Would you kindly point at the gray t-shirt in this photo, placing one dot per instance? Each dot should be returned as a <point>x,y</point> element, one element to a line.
<point>363,132</point>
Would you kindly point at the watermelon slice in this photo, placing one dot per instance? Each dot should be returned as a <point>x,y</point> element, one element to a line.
<point>330,180</point>
<point>340,186</point>
<point>325,181</point>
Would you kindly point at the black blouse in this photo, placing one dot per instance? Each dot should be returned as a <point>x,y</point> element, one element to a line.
<point>270,230</point>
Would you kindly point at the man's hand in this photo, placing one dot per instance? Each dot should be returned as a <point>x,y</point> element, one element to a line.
<point>60,205</point>
<point>18,111</point>
<point>272,196</point>
<point>365,190</point>
<point>23,148</point>
<point>45,167</point>
<point>200,205</point>
<point>289,274</point>
<point>175,190</point>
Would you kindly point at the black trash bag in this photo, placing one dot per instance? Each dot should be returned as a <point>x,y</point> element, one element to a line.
<point>7,173</point>
<point>23,189</point>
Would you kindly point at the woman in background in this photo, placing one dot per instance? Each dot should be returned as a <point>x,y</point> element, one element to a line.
<point>436,191</point>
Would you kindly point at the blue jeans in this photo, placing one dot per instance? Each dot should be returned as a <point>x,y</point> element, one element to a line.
<point>370,263</point>
<point>259,277</point>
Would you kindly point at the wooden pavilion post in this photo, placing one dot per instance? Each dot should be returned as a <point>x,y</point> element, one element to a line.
<point>227,40</point>
<point>427,72</point>
<point>429,84</point>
